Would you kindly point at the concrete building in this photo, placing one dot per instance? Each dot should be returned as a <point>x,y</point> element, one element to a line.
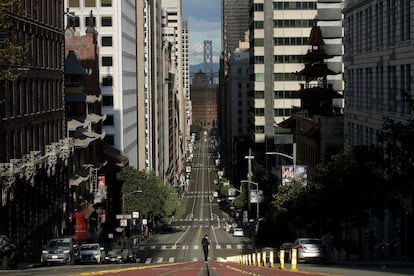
<point>379,60</point>
<point>115,22</point>
<point>279,38</point>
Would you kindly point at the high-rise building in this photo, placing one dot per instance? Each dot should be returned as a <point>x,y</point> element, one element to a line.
<point>279,33</point>
<point>235,23</point>
<point>115,22</point>
<point>174,119</point>
<point>379,60</point>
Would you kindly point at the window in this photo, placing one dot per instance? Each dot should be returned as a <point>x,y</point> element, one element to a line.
<point>259,77</point>
<point>259,111</point>
<point>106,40</point>
<point>109,120</point>
<point>106,61</point>
<point>107,81</point>
<point>106,3</point>
<point>88,23</point>
<point>106,21</point>
<point>74,4</point>
<point>259,129</point>
<point>90,3</point>
<point>259,94</point>
<point>258,24</point>
<point>259,42</point>
<point>107,100</point>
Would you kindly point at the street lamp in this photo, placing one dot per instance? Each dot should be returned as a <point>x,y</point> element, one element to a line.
<point>123,206</point>
<point>287,156</point>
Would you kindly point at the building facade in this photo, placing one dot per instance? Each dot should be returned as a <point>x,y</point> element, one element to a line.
<point>235,23</point>
<point>379,62</point>
<point>34,150</point>
<point>115,22</point>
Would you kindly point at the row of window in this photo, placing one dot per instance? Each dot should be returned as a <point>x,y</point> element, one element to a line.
<point>298,5</point>
<point>379,25</point>
<point>44,11</point>
<point>89,3</point>
<point>106,21</point>
<point>277,130</point>
<point>279,112</point>
<point>32,97</point>
<point>277,94</point>
<point>279,77</point>
<point>280,59</point>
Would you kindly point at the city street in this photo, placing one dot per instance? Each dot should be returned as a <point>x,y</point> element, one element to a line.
<point>177,249</point>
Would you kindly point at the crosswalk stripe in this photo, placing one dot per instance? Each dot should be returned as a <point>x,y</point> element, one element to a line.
<point>148,260</point>
<point>171,259</point>
<point>159,260</point>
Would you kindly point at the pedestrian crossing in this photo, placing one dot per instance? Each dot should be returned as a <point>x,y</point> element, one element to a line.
<point>194,247</point>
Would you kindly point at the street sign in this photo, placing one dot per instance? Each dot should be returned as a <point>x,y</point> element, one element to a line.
<point>135,215</point>
<point>144,221</point>
<point>123,223</point>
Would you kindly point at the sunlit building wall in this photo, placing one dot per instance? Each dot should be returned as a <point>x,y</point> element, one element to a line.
<point>115,22</point>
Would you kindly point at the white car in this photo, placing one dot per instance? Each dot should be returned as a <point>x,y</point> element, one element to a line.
<point>238,232</point>
<point>92,253</point>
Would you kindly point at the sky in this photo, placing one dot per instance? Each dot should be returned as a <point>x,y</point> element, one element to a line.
<point>204,23</point>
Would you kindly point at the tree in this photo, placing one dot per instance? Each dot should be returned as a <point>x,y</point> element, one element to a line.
<point>12,50</point>
<point>156,200</point>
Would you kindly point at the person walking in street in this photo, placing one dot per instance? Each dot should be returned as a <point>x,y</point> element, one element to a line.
<point>205,243</point>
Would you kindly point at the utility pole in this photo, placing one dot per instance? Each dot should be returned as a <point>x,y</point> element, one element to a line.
<point>249,175</point>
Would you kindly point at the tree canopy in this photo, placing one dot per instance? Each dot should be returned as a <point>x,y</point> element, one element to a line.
<point>12,50</point>
<point>155,200</point>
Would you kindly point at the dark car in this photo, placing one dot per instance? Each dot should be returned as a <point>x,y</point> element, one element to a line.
<point>60,251</point>
<point>287,249</point>
<point>8,257</point>
<point>114,257</point>
<point>129,256</point>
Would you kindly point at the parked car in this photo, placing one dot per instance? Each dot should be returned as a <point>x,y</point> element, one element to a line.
<point>238,232</point>
<point>60,251</point>
<point>287,248</point>
<point>129,256</point>
<point>114,256</point>
<point>309,249</point>
<point>8,256</point>
<point>92,253</point>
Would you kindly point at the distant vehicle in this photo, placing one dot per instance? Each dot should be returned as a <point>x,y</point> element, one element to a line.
<point>114,256</point>
<point>309,249</point>
<point>287,247</point>
<point>238,232</point>
<point>92,253</point>
<point>60,251</point>
<point>129,256</point>
<point>8,257</point>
